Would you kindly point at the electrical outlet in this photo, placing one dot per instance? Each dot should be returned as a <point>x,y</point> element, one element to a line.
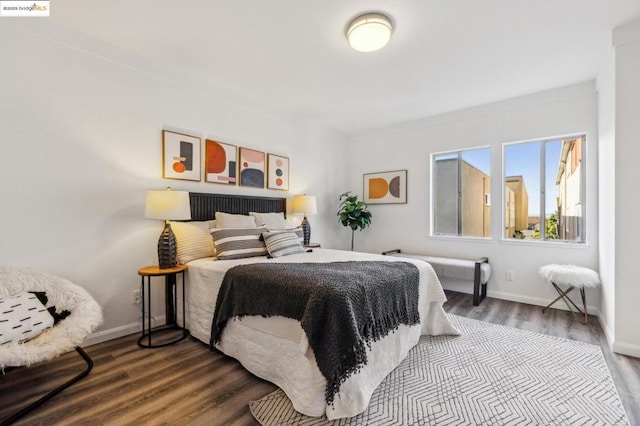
<point>509,275</point>
<point>137,298</point>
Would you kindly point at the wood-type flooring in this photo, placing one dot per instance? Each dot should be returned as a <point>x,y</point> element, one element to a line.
<point>187,384</point>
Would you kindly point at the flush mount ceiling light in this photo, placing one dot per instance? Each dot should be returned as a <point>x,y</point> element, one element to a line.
<point>369,32</point>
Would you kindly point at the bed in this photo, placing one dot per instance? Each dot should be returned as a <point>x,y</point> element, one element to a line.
<point>276,348</point>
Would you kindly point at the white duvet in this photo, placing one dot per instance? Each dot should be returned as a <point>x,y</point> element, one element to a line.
<point>277,350</point>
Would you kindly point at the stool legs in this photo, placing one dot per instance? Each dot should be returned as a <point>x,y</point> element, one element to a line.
<point>564,295</point>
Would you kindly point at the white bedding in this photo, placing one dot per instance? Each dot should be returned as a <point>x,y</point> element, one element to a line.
<point>277,350</point>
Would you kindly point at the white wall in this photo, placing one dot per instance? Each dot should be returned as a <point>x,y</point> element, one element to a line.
<point>607,194</point>
<point>81,144</point>
<point>568,110</point>
<point>627,175</point>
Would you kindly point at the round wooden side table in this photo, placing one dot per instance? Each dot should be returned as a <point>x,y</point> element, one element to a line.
<point>170,275</point>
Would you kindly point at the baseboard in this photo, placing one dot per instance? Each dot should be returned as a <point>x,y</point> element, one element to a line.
<point>619,347</point>
<point>626,349</point>
<point>608,334</point>
<point>114,333</point>
<point>592,310</point>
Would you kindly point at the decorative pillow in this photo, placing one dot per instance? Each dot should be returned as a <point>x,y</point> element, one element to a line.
<point>282,243</point>
<point>228,220</point>
<point>57,316</point>
<point>22,317</point>
<point>193,240</point>
<point>271,220</point>
<point>238,243</point>
<point>298,231</point>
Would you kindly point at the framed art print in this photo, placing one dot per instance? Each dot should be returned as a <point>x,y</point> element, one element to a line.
<point>180,156</point>
<point>277,172</point>
<point>220,162</point>
<point>385,187</point>
<point>252,168</point>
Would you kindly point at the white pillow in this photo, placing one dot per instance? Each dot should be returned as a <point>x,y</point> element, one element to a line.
<point>238,243</point>
<point>22,317</point>
<point>227,220</point>
<point>194,240</point>
<point>282,243</point>
<point>271,220</point>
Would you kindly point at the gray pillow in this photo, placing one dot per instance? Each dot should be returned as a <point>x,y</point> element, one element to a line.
<point>238,243</point>
<point>282,243</point>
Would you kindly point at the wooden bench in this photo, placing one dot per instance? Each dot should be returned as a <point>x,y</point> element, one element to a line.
<point>455,270</point>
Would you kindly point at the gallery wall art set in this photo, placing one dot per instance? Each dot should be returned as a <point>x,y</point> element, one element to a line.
<point>223,163</point>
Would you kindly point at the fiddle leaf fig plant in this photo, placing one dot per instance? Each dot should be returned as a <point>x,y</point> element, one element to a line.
<point>353,213</point>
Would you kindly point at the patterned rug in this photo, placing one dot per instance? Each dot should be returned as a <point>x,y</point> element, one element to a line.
<point>491,375</point>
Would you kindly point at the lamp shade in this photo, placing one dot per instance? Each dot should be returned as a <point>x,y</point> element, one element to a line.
<point>369,32</point>
<point>305,204</point>
<point>166,204</point>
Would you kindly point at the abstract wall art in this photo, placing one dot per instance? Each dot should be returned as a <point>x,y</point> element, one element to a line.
<point>180,156</point>
<point>252,168</point>
<point>277,172</point>
<point>220,164</point>
<point>385,187</point>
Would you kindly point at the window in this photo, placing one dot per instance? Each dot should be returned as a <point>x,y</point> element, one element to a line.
<point>544,187</point>
<point>461,193</point>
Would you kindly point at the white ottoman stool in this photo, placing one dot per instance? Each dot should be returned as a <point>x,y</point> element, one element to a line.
<point>571,277</point>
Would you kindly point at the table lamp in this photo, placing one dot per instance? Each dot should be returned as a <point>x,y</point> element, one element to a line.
<point>305,204</point>
<point>167,205</point>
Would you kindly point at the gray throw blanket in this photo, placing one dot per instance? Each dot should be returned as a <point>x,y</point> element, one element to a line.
<point>342,306</point>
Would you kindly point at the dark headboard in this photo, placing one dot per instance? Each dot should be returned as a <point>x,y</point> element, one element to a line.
<point>204,206</point>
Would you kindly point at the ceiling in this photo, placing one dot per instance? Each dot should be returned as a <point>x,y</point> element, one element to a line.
<point>291,57</point>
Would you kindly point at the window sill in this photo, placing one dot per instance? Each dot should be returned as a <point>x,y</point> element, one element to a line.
<point>533,243</point>
<point>465,239</point>
<point>514,242</point>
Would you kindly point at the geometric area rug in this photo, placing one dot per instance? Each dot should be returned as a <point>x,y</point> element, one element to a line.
<point>490,375</point>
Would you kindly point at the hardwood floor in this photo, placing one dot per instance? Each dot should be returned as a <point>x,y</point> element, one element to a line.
<point>187,384</point>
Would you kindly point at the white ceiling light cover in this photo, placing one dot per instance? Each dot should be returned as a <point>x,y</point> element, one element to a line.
<point>369,32</point>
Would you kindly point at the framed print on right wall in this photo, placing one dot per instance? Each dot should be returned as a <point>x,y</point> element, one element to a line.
<point>385,187</point>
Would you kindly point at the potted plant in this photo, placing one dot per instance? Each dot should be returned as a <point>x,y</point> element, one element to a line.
<point>353,213</point>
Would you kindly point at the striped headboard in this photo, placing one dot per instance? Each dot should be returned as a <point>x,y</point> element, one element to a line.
<point>204,206</point>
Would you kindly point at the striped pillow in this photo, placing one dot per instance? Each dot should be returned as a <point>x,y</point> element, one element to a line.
<point>282,243</point>
<point>298,231</point>
<point>238,243</point>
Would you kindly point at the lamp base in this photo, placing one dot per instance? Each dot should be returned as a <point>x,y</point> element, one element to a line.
<point>167,248</point>
<point>306,231</point>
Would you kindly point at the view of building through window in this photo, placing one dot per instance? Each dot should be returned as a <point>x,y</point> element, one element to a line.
<point>544,190</point>
<point>461,193</point>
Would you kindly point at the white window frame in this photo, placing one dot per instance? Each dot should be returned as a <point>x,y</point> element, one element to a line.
<point>487,196</point>
<point>583,192</point>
